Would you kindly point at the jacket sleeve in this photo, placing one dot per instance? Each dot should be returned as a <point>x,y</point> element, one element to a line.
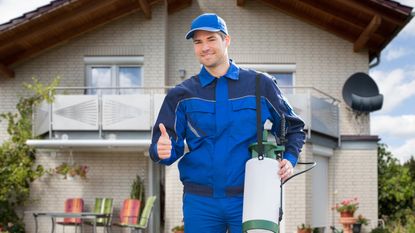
<point>294,125</point>
<point>173,118</point>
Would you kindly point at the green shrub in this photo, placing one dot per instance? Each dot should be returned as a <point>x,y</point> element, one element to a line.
<point>380,230</point>
<point>17,159</point>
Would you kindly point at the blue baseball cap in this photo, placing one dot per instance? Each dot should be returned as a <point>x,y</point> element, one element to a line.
<point>207,22</point>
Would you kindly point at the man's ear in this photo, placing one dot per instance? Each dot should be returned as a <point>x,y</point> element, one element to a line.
<point>228,40</point>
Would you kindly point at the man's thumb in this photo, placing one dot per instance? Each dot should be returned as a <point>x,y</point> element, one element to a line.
<point>163,130</point>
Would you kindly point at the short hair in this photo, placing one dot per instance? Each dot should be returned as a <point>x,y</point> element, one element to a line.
<point>222,35</point>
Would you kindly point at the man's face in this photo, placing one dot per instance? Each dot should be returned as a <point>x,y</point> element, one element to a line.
<point>210,48</point>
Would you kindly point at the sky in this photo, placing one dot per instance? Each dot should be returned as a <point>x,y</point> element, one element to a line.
<point>395,77</point>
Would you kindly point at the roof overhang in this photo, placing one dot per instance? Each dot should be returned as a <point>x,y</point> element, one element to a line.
<point>368,24</point>
<point>62,20</point>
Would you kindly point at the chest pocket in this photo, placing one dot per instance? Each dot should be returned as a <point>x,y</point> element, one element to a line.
<point>244,116</point>
<point>201,118</point>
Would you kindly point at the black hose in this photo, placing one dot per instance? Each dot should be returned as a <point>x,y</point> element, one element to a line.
<point>281,212</point>
<point>301,172</point>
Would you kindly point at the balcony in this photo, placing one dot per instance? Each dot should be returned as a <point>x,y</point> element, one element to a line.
<point>319,110</point>
<point>122,118</point>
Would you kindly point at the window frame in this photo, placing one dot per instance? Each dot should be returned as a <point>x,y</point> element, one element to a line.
<point>114,63</point>
<point>273,69</point>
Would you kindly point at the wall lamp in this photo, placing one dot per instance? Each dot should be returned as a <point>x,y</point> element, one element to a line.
<point>182,73</point>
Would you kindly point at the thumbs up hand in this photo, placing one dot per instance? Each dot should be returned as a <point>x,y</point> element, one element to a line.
<point>164,143</point>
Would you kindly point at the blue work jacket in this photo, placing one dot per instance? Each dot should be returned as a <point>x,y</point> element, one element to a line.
<point>217,118</point>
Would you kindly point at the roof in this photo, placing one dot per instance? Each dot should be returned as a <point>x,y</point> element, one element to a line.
<point>368,24</point>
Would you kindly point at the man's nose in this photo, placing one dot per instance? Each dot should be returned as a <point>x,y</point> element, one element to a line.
<point>205,47</point>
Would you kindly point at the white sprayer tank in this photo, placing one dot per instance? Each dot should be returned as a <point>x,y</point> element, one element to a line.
<point>261,196</point>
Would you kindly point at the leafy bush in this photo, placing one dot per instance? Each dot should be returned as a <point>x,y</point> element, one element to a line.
<point>17,159</point>
<point>396,189</point>
<point>380,230</point>
<point>362,220</point>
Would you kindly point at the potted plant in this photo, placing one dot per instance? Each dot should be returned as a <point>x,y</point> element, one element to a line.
<point>359,222</point>
<point>178,229</point>
<point>347,207</point>
<point>304,228</point>
<point>137,192</point>
<point>70,171</point>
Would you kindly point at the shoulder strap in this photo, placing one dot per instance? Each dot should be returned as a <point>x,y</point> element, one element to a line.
<point>259,117</point>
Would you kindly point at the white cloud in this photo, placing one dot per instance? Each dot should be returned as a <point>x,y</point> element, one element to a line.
<point>395,53</point>
<point>410,3</point>
<point>402,127</point>
<point>396,86</point>
<point>401,132</point>
<point>14,8</point>
<point>405,151</point>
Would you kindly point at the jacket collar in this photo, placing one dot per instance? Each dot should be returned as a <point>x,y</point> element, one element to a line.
<point>206,78</point>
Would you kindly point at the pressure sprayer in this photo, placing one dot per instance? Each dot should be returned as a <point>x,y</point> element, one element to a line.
<point>262,206</point>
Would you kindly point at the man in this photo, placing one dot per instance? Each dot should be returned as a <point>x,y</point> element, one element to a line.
<point>215,111</point>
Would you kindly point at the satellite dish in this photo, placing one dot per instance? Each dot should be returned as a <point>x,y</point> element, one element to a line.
<point>361,93</point>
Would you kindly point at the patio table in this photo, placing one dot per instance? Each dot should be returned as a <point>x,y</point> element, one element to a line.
<point>55,215</point>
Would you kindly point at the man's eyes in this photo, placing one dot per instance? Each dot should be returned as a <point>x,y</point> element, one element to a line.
<point>199,42</point>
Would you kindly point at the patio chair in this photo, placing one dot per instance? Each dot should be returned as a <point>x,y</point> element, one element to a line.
<point>73,205</point>
<point>130,211</point>
<point>103,206</point>
<point>145,216</point>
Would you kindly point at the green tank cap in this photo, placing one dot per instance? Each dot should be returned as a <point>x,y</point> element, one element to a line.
<point>271,150</point>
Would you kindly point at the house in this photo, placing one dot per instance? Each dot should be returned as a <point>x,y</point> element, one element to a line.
<point>312,47</point>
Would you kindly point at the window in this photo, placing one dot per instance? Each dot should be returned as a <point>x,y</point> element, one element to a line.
<point>112,73</point>
<point>284,74</point>
<point>285,82</point>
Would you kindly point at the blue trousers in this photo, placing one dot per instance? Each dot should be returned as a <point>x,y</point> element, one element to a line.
<point>212,215</point>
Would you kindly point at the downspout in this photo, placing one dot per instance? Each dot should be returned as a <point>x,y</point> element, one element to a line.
<point>334,191</point>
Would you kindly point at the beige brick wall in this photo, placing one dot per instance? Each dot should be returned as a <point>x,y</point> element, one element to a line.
<point>297,196</point>
<point>355,175</point>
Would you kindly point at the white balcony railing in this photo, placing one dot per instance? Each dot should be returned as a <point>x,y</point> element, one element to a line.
<point>73,112</point>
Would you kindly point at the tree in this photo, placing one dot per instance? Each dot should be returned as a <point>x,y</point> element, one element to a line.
<point>410,164</point>
<point>396,188</point>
